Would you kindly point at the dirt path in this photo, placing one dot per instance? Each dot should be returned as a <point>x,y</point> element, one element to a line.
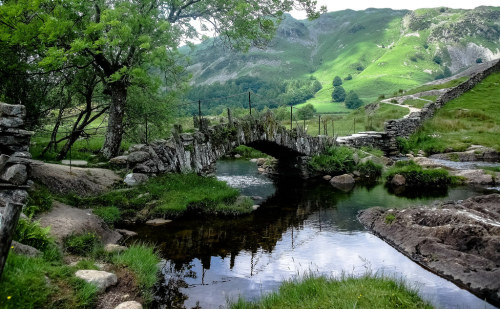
<point>458,240</point>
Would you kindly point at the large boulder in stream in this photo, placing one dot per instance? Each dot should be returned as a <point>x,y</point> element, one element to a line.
<point>458,240</point>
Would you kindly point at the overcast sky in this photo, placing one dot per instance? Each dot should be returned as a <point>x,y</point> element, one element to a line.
<point>337,5</point>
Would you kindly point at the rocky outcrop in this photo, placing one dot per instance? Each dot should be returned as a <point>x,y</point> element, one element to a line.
<point>65,221</point>
<point>343,182</point>
<point>457,240</point>
<point>62,179</point>
<point>129,305</point>
<point>474,153</point>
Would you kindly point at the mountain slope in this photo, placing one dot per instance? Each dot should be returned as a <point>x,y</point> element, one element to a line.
<point>383,50</point>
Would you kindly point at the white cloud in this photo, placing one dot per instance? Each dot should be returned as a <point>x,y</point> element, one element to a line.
<point>335,5</point>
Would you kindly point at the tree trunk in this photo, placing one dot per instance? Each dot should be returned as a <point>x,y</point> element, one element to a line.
<point>114,131</point>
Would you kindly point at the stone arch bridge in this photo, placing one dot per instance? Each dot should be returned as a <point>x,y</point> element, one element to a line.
<point>198,151</point>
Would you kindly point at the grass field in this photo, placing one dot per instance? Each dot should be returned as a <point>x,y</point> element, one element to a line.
<point>470,119</point>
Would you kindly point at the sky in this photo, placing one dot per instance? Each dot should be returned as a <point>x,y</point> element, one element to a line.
<point>337,5</point>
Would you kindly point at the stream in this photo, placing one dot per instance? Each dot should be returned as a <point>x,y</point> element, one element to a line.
<point>301,228</point>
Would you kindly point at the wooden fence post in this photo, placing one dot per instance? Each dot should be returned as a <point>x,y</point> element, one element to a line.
<point>9,223</point>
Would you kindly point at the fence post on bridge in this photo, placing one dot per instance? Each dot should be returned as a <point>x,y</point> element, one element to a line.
<point>249,103</point>
<point>319,124</point>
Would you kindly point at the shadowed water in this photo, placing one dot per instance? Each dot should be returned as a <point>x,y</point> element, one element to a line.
<point>302,227</point>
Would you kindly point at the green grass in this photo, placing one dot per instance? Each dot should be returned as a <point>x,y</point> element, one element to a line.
<point>142,261</point>
<point>248,152</point>
<point>346,292</point>
<point>30,233</point>
<point>470,119</point>
<point>110,214</point>
<point>491,168</point>
<point>415,103</point>
<point>170,196</point>
<point>417,176</point>
<point>82,244</point>
<point>389,218</point>
<point>335,161</point>
<point>39,200</point>
<point>450,84</point>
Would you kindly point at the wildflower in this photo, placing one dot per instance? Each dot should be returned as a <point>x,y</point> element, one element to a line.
<point>12,247</point>
<point>9,297</point>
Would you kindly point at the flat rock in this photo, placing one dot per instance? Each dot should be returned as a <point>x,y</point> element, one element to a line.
<point>16,174</point>
<point>99,278</point>
<point>75,162</point>
<point>83,181</point>
<point>114,248</point>
<point>137,157</point>
<point>457,240</point>
<point>65,220</point>
<point>20,248</point>
<point>158,221</point>
<point>120,160</point>
<point>126,232</point>
<point>327,177</point>
<point>135,179</point>
<point>129,305</point>
<point>477,176</point>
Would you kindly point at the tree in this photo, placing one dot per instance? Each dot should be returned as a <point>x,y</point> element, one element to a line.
<point>125,40</point>
<point>348,77</point>
<point>337,81</point>
<point>437,59</point>
<point>352,101</point>
<point>306,112</point>
<point>338,94</point>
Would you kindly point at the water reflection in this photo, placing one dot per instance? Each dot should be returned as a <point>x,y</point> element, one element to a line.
<point>302,227</point>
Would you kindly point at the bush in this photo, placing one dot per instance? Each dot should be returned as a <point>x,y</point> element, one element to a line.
<point>81,244</point>
<point>110,214</point>
<point>338,94</point>
<point>437,59</point>
<point>352,101</point>
<point>248,152</point>
<point>39,200</point>
<point>479,60</point>
<point>32,234</point>
<point>306,112</point>
<point>337,81</point>
<point>416,176</point>
<point>370,170</point>
<point>335,161</point>
<point>348,77</point>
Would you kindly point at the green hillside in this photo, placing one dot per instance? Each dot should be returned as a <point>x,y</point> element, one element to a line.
<point>382,49</point>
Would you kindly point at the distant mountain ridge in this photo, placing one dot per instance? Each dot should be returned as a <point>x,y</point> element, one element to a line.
<point>382,49</point>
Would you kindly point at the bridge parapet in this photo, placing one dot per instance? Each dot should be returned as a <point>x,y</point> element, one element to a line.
<point>198,151</point>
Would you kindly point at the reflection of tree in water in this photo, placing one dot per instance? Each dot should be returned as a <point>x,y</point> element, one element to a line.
<point>167,291</point>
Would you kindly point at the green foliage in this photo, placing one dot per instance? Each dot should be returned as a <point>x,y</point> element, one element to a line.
<point>337,81</point>
<point>446,73</point>
<point>82,244</point>
<point>369,169</point>
<point>248,152</point>
<point>352,100</point>
<point>142,261</point>
<point>348,77</point>
<point>39,200</point>
<point>170,196</point>
<point>437,59</point>
<point>306,112</point>
<point>369,291</point>
<point>479,60</point>
<point>389,218</point>
<point>416,176</point>
<point>110,214</point>
<point>30,233</point>
<point>335,161</point>
<point>338,94</point>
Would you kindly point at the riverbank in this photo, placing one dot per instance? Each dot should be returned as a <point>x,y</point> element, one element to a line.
<point>457,240</point>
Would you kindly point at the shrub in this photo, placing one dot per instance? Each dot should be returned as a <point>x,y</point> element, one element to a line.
<point>39,200</point>
<point>338,94</point>
<point>352,101</point>
<point>437,59</point>
<point>348,77</point>
<point>479,60</point>
<point>110,214</point>
<point>248,152</point>
<point>370,169</point>
<point>389,218</point>
<point>82,244</point>
<point>32,234</point>
<point>337,81</point>
<point>336,161</point>
<point>417,176</point>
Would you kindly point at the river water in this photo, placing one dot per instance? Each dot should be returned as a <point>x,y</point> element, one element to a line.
<point>301,228</point>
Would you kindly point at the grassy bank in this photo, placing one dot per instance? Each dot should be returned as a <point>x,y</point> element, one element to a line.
<point>346,292</point>
<point>167,196</point>
<point>470,119</point>
<point>46,282</point>
<point>417,176</point>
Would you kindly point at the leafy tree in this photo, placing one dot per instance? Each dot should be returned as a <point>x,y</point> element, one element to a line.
<point>125,40</point>
<point>352,101</point>
<point>437,59</point>
<point>337,81</point>
<point>348,77</point>
<point>338,94</point>
<point>306,112</point>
